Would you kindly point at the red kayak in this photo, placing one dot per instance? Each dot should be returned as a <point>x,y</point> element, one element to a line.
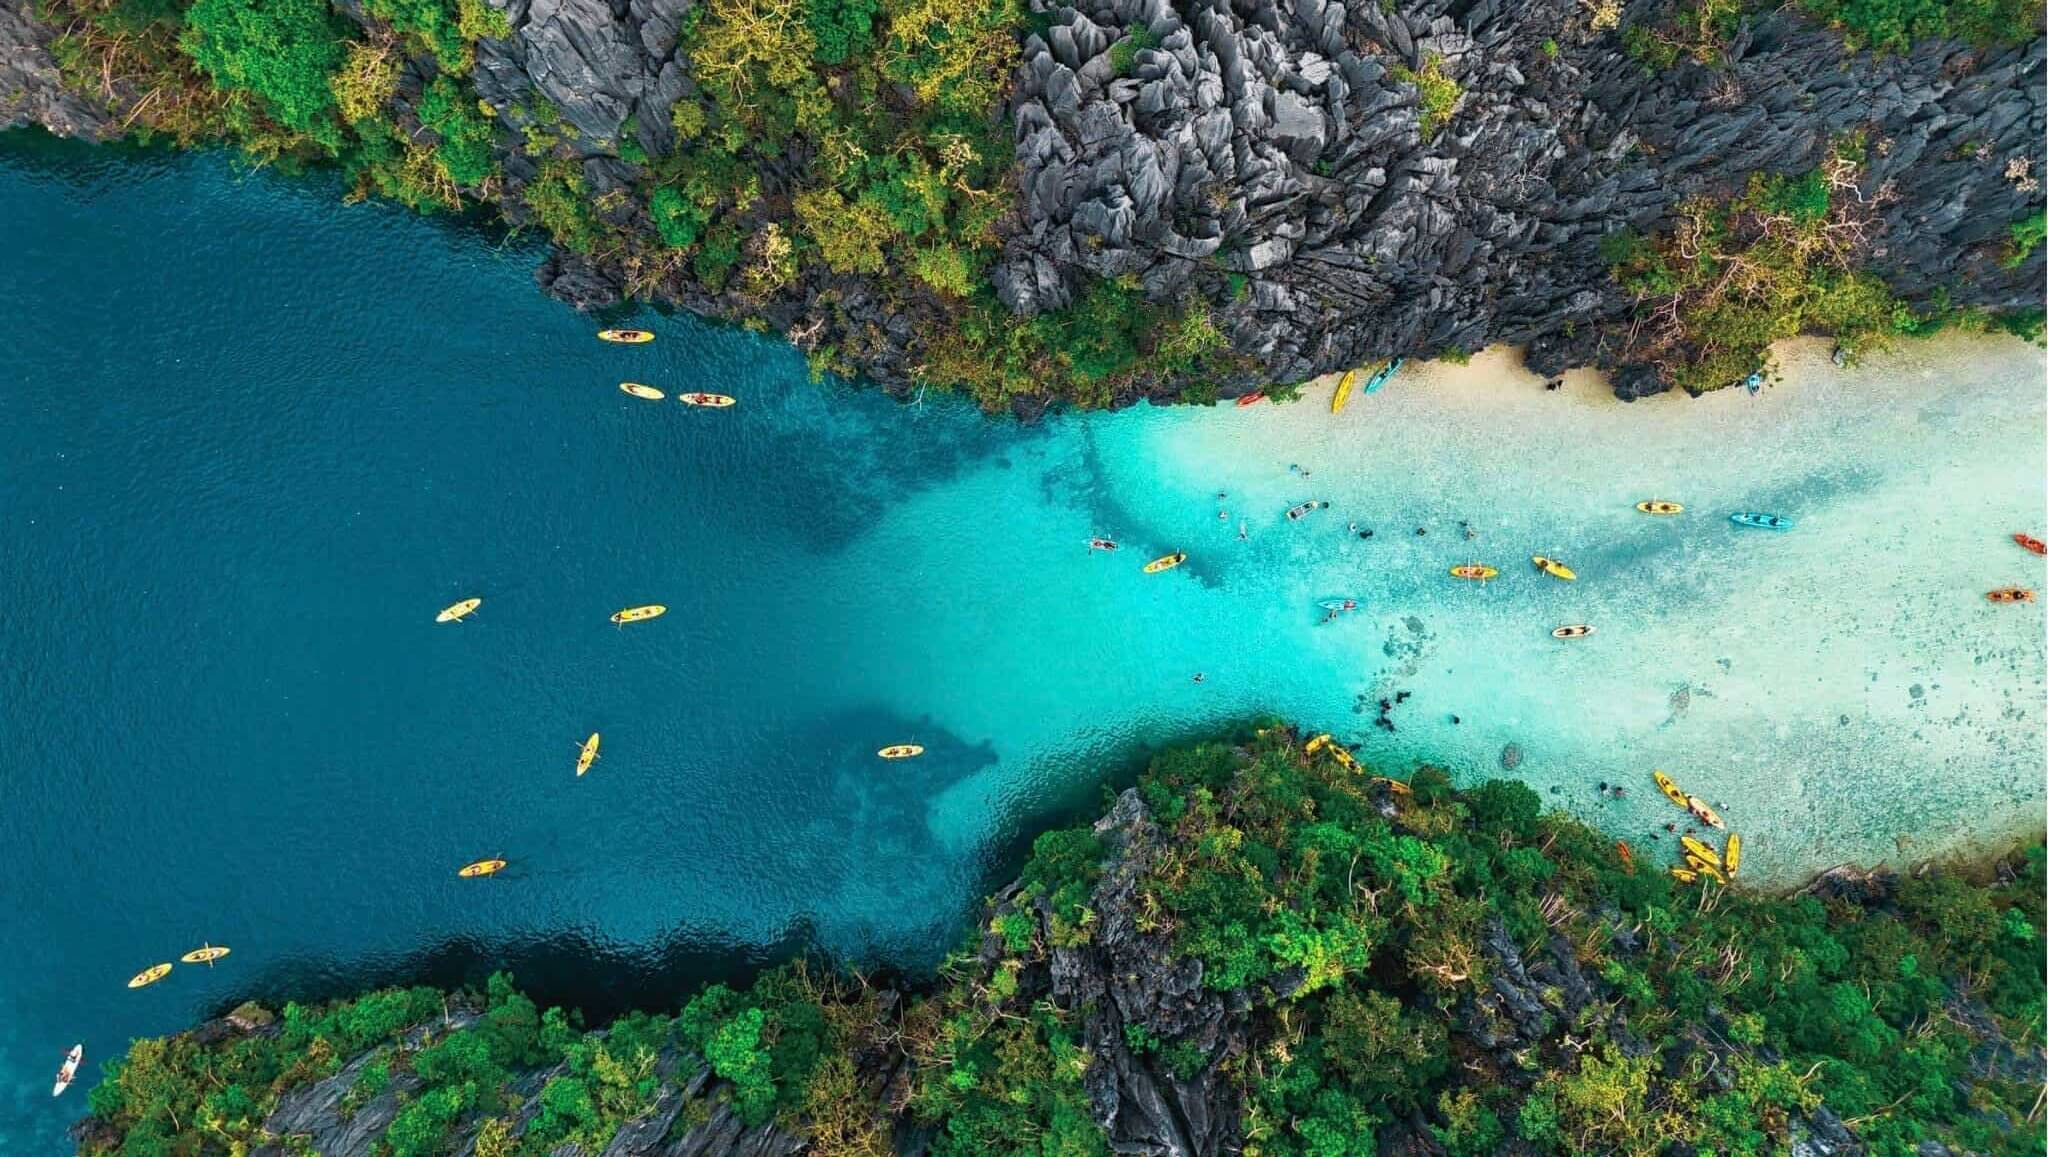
<point>1251,399</point>
<point>2031,543</point>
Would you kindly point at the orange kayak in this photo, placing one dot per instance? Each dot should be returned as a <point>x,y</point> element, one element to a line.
<point>1251,399</point>
<point>2031,543</point>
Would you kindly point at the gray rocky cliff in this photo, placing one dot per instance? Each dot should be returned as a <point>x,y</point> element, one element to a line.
<point>1269,157</point>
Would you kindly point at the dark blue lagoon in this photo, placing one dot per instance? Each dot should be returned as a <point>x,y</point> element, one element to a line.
<point>252,439</point>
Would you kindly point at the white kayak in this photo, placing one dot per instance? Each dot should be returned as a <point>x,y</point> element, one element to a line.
<point>69,1072</point>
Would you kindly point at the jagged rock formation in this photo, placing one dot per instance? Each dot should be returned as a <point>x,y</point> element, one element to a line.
<point>1277,142</point>
<point>1269,156</point>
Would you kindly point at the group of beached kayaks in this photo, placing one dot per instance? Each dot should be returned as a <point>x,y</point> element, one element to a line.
<point>1702,860</point>
<point>587,751</point>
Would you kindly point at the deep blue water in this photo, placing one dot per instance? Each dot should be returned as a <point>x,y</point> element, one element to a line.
<point>251,439</point>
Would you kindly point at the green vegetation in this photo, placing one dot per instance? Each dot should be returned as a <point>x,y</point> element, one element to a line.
<point>1409,956</point>
<point>1438,94</point>
<point>2025,237</point>
<point>1777,261</point>
<point>1701,29</point>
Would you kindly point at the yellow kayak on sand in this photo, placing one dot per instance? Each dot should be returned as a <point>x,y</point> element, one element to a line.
<point>1705,869</point>
<point>1554,568</point>
<point>1701,849</point>
<point>1343,393</point>
<point>1474,570</point>
<point>459,611</point>
<point>708,401</point>
<point>1732,855</point>
<point>204,955</point>
<point>586,756</point>
<point>636,614</point>
<point>149,976</point>
<point>1707,815</point>
<point>901,751</point>
<point>640,391</point>
<point>1654,506</point>
<point>1684,875</point>
<point>625,336</point>
<point>1166,562</point>
<point>490,867</point>
<point>1669,788</point>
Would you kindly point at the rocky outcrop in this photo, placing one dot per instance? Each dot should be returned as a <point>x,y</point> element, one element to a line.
<point>1281,143</point>
<point>1270,158</point>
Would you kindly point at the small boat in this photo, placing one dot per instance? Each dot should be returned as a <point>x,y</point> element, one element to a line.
<point>1251,399</point>
<point>901,751</point>
<point>1554,568</point>
<point>708,401</point>
<point>481,868</point>
<point>1339,605</point>
<point>1474,570</point>
<point>640,391</point>
<point>1705,869</point>
<point>636,614</point>
<point>2010,595</point>
<point>1666,785</point>
<point>1731,857</point>
<point>1708,816</point>
<point>1383,375</point>
<point>1760,521</point>
<point>1166,562</point>
<point>586,755</point>
<point>625,336</point>
<point>1343,393</point>
<point>2031,543</point>
<point>149,976</point>
<point>205,954</point>
<point>68,1071</point>
<point>1575,631</point>
<point>1655,506</point>
<point>1753,383</point>
<point>1294,514</point>
<point>1343,758</point>
<point>1102,544</point>
<point>1684,875</point>
<point>459,611</point>
<point>1700,848</point>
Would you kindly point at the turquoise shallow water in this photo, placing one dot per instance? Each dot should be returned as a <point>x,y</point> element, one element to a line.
<point>251,440</point>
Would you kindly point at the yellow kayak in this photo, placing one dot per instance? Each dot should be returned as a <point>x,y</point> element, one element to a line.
<point>1701,849</point>
<point>640,391</point>
<point>149,976</point>
<point>587,756</point>
<point>901,751</point>
<point>1705,869</point>
<point>625,336</point>
<point>459,611</point>
<point>1669,788</point>
<point>708,401</point>
<point>1553,568</point>
<point>1653,506</point>
<point>205,955</point>
<point>1474,570</point>
<point>490,867</point>
<point>1343,393</point>
<point>1344,759</point>
<point>635,614</point>
<point>1575,631</point>
<point>1316,744</point>
<point>1684,875</point>
<point>1707,815</point>
<point>1166,562</point>
<point>1732,856</point>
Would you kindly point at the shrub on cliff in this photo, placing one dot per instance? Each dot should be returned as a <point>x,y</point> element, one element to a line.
<point>282,51</point>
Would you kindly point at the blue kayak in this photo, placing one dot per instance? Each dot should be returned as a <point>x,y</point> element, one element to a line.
<point>1761,521</point>
<point>1386,372</point>
<point>1753,383</point>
